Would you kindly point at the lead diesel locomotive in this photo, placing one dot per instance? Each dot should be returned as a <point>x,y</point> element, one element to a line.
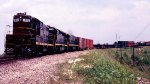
<point>32,37</point>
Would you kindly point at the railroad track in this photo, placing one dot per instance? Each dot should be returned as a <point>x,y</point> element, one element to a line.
<point>6,59</point>
<point>10,58</point>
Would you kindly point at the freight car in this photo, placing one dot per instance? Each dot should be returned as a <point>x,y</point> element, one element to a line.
<point>32,37</point>
<point>104,46</point>
<point>84,44</point>
<point>143,43</point>
<point>123,44</point>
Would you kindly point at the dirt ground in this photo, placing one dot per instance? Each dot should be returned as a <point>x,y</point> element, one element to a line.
<point>39,70</point>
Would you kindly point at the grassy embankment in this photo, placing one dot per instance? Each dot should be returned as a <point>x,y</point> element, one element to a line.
<point>98,67</point>
<point>141,58</point>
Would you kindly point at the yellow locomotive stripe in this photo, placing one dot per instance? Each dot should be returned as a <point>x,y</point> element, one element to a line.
<point>50,45</point>
<point>73,45</point>
<point>45,44</point>
<point>24,28</point>
<point>60,45</point>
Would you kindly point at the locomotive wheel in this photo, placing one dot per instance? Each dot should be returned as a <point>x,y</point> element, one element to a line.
<point>17,50</point>
<point>37,51</point>
<point>25,52</point>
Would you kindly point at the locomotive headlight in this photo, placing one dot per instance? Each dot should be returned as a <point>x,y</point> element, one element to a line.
<point>20,17</point>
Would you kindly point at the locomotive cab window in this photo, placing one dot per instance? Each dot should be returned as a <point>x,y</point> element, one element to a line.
<point>26,20</point>
<point>16,20</point>
<point>52,31</point>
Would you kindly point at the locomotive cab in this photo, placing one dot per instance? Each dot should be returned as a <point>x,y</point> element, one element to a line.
<point>22,24</point>
<point>23,37</point>
<point>21,20</point>
<point>52,35</point>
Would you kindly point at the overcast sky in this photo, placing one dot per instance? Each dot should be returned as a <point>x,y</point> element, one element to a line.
<point>99,20</point>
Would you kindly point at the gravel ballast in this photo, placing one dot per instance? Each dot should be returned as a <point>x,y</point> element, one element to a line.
<point>36,70</point>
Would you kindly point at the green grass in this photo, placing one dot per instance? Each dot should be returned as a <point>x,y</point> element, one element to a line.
<point>103,69</point>
<point>142,58</point>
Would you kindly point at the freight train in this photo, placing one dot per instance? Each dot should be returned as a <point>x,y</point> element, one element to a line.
<point>118,44</point>
<point>122,44</point>
<point>31,37</point>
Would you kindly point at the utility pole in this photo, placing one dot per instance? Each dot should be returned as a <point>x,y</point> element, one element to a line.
<point>133,56</point>
<point>121,57</point>
<point>116,45</point>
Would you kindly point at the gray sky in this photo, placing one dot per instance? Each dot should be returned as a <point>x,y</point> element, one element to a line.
<point>99,20</point>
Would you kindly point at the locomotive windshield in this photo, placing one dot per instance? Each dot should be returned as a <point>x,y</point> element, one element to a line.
<point>52,31</point>
<point>16,20</point>
<point>21,21</point>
